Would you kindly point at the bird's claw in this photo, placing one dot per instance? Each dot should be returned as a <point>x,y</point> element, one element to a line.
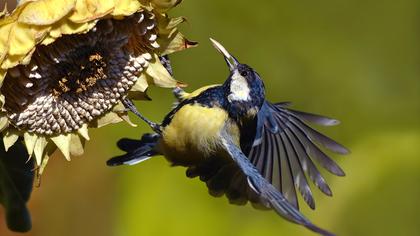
<point>178,93</point>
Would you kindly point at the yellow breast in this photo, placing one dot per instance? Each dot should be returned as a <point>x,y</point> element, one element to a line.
<point>193,134</point>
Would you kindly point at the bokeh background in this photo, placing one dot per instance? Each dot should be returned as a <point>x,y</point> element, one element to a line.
<point>358,61</point>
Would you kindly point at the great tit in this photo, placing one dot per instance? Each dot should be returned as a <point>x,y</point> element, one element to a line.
<point>240,144</point>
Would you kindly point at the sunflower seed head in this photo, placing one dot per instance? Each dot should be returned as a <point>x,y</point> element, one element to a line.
<point>79,77</point>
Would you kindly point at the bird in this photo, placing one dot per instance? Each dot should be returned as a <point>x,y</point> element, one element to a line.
<point>240,144</point>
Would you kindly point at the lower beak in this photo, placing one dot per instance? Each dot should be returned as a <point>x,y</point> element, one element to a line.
<point>230,60</point>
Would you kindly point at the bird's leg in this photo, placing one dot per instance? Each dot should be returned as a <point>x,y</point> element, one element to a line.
<point>178,93</point>
<point>130,106</point>
<point>167,64</point>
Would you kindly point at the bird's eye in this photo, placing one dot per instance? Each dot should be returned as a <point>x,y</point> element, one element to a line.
<point>244,73</point>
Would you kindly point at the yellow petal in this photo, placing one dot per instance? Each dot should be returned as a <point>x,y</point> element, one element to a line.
<point>87,10</point>
<point>26,59</point>
<point>126,7</point>
<point>63,143</point>
<point>66,26</point>
<point>46,12</point>
<point>4,40</point>
<point>76,28</point>
<point>43,164</point>
<point>14,15</point>
<point>1,98</point>
<point>108,118</point>
<point>84,131</point>
<point>139,96</point>
<point>3,123</point>
<point>80,12</point>
<point>11,61</point>
<point>4,12</point>
<point>170,39</point>
<point>141,84</point>
<point>160,76</point>
<point>10,138</point>
<point>48,151</point>
<point>167,25</point>
<point>138,91</point>
<point>121,111</point>
<point>76,145</point>
<point>174,43</point>
<point>40,145</point>
<point>21,39</point>
<point>22,2</point>
<point>126,118</point>
<point>30,140</point>
<point>164,5</point>
<point>174,22</point>
<point>48,39</point>
<point>119,108</point>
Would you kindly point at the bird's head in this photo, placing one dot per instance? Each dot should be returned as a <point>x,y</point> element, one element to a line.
<point>244,88</point>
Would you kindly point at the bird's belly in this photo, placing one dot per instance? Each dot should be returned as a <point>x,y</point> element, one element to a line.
<point>193,134</point>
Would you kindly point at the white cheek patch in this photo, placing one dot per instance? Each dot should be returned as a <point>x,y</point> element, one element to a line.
<point>239,89</point>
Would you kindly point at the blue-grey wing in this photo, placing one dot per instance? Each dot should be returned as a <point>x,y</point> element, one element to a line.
<point>267,194</point>
<point>284,149</point>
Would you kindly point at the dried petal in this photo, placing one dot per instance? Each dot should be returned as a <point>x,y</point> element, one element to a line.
<point>76,145</point>
<point>65,65</point>
<point>46,12</point>
<point>10,138</point>
<point>30,140</point>
<point>40,146</point>
<point>62,141</point>
<point>83,131</point>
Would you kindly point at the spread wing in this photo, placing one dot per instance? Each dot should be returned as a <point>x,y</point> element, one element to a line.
<point>285,148</point>
<point>267,193</point>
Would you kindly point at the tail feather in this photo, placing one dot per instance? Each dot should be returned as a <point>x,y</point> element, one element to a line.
<point>137,150</point>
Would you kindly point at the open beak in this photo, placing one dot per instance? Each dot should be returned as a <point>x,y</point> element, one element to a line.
<point>230,60</point>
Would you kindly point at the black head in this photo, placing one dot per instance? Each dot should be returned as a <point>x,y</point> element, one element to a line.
<point>244,88</point>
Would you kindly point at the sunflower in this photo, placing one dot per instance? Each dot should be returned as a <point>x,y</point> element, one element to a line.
<point>65,66</point>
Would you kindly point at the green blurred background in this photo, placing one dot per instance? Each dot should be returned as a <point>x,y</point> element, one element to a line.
<point>358,61</point>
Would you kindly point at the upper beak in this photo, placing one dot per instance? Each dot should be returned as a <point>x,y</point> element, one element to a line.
<point>230,60</point>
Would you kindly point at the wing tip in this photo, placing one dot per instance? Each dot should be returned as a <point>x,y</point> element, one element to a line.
<point>331,122</point>
<point>328,192</point>
<point>346,151</point>
<point>341,173</point>
<point>336,170</point>
<point>336,147</point>
<point>317,229</point>
<point>310,201</point>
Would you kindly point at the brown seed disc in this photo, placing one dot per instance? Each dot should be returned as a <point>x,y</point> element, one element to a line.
<point>79,77</point>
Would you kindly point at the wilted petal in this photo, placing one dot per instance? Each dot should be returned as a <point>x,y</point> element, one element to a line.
<point>65,65</point>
